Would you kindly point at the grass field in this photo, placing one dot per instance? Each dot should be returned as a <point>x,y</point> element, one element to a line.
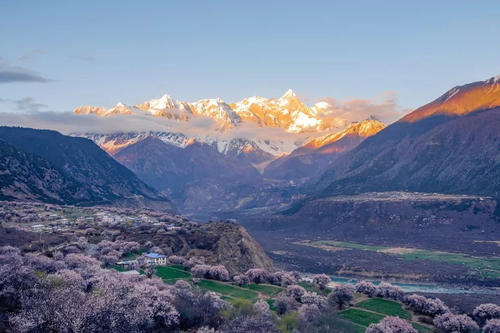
<point>422,328</point>
<point>181,267</point>
<point>265,289</point>
<point>227,289</point>
<point>384,306</point>
<point>311,287</point>
<point>271,304</point>
<point>171,274</point>
<point>361,317</point>
<point>484,266</point>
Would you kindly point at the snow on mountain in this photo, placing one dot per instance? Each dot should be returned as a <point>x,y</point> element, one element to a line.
<point>119,108</point>
<point>167,107</point>
<point>217,109</point>
<point>286,113</point>
<point>363,129</point>
<point>461,100</point>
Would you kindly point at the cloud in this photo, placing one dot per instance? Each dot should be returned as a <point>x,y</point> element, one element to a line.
<point>28,104</point>
<point>384,108</point>
<point>70,123</point>
<point>11,74</point>
<point>20,75</point>
<point>335,113</point>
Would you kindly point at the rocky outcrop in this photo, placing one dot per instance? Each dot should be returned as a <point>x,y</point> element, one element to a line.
<point>235,248</point>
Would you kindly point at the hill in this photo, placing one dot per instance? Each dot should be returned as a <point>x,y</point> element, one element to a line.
<point>451,145</point>
<point>47,166</point>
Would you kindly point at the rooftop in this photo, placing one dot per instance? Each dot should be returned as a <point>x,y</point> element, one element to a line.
<point>154,255</point>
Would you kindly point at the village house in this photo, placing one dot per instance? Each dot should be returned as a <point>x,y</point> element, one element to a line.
<point>155,258</point>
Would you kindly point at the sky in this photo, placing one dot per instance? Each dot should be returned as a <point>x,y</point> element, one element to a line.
<point>56,55</point>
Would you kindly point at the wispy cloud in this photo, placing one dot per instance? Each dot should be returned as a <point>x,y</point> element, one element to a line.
<point>28,104</point>
<point>12,74</point>
<point>384,108</point>
<point>20,75</point>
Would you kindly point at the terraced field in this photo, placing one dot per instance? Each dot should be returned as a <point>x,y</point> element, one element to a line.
<point>371,311</point>
<point>363,313</point>
<point>266,289</point>
<point>384,306</point>
<point>228,290</point>
<point>170,274</point>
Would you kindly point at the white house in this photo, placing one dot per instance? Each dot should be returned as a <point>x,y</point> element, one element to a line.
<point>156,258</point>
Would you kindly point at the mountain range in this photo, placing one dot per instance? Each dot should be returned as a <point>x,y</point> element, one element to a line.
<point>451,145</point>
<point>287,114</point>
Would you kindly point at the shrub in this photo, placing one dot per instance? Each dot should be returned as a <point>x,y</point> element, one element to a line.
<point>254,324</point>
<point>387,290</point>
<point>322,280</point>
<point>308,312</point>
<point>341,295</point>
<point>198,308</point>
<point>218,272</point>
<point>295,291</point>
<point>258,275</point>
<point>281,278</point>
<point>451,323</point>
<point>487,311</point>
<point>366,287</point>
<point>261,308</point>
<point>424,305</point>
<point>176,260</point>
<point>240,280</point>
<point>285,304</point>
<point>492,326</point>
<point>391,325</point>
<point>315,299</point>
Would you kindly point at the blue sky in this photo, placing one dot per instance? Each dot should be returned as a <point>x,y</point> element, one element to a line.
<point>102,52</point>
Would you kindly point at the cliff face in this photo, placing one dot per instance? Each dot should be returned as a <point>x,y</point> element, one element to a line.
<point>223,243</point>
<point>236,248</point>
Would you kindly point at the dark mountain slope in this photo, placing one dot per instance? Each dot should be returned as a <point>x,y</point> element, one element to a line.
<point>313,158</point>
<point>197,177</point>
<point>69,170</point>
<point>450,151</point>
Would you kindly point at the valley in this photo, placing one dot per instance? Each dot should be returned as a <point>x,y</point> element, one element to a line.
<point>159,175</point>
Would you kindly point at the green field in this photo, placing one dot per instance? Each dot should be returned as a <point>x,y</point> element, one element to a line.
<point>361,317</point>
<point>422,328</point>
<point>384,306</point>
<point>271,304</point>
<point>181,267</point>
<point>265,289</point>
<point>311,287</point>
<point>227,289</point>
<point>170,274</point>
<point>485,266</point>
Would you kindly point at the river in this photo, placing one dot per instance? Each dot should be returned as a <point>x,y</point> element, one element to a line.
<point>424,287</point>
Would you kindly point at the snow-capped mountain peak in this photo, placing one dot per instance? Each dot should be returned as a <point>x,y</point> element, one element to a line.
<point>289,93</point>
